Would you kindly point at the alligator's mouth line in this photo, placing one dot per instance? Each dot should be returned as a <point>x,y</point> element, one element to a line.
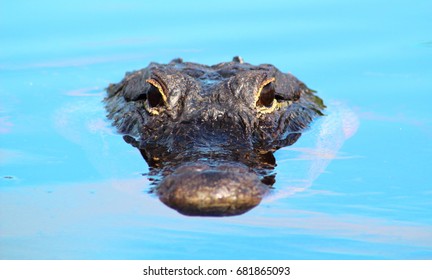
<point>210,131</point>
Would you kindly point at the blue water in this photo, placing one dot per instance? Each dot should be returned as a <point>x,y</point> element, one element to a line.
<point>356,186</point>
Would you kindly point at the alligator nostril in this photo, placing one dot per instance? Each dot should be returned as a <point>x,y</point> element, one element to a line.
<point>215,114</point>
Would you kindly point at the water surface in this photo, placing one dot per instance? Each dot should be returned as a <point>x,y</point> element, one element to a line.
<point>356,186</point>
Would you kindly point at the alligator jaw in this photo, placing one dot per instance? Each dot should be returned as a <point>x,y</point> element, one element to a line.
<point>201,190</point>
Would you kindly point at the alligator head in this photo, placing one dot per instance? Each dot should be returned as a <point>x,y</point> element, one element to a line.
<point>210,131</point>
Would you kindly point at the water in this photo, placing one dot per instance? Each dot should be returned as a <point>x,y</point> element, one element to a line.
<point>357,186</point>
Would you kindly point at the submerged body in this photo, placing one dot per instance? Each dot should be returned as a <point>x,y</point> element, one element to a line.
<point>210,131</point>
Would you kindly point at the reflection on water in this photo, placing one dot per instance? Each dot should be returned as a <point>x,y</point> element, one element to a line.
<point>356,186</point>
<point>339,124</point>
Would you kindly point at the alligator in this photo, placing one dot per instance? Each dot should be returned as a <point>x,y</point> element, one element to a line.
<point>209,132</point>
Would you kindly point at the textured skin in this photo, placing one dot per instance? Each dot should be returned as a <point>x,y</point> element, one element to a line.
<point>210,131</point>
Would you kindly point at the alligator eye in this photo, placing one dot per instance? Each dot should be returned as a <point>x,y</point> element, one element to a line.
<point>266,94</point>
<point>155,96</point>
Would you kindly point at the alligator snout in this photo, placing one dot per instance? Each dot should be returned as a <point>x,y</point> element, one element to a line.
<point>202,190</point>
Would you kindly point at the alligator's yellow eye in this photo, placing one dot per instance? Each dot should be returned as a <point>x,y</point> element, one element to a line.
<point>156,97</point>
<point>265,98</point>
<point>266,95</point>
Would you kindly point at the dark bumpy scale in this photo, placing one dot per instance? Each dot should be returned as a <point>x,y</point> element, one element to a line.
<point>210,131</point>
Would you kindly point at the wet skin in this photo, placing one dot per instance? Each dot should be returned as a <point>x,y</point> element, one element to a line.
<point>210,131</point>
